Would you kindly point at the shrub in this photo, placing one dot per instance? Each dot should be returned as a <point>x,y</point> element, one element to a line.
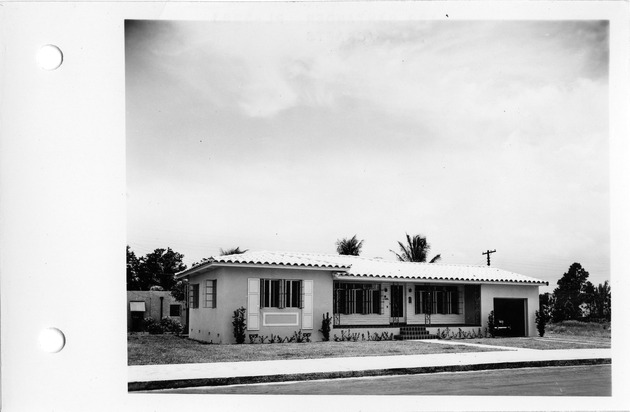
<point>325,330</point>
<point>239,323</point>
<point>152,326</point>
<point>491,325</point>
<point>171,325</point>
<point>300,337</point>
<point>460,334</point>
<point>541,321</point>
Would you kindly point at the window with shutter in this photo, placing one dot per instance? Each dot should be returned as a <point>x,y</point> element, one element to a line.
<point>211,293</point>
<point>293,292</point>
<point>307,304</point>
<point>455,300</point>
<point>253,303</point>
<point>357,298</point>
<point>193,302</point>
<point>281,294</point>
<point>270,293</point>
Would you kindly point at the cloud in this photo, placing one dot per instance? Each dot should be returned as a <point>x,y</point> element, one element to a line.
<point>473,133</point>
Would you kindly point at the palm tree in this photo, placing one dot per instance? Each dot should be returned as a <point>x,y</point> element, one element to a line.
<point>350,246</point>
<point>602,299</point>
<point>415,250</point>
<point>234,251</point>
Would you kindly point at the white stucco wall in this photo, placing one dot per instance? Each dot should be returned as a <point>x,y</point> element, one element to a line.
<point>528,292</point>
<point>215,324</point>
<point>152,304</point>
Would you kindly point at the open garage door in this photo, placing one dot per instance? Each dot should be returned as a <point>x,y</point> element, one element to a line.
<point>510,316</point>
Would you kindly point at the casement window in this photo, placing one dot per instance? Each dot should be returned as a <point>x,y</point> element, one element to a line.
<point>280,293</point>
<point>211,293</point>
<point>359,298</point>
<point>292,293</point>
<point>175,310</point>
<point>193,296</point>
<point>269,293</point>
<point>437,299</point>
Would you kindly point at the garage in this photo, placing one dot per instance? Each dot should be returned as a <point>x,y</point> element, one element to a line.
<point>510,316</point>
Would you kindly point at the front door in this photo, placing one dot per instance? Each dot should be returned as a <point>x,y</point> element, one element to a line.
<point>137,319</point>
<point>397,305</point>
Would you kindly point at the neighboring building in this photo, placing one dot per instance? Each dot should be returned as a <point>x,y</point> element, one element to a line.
<point>156,304</point>
<point>284,292</point>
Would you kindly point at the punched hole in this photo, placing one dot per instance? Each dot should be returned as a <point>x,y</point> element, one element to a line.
<point>52,340</point>
<point>49,57</point>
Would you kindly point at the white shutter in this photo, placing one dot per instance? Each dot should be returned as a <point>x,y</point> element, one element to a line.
<point>253,304</point>
<point>307,304</point>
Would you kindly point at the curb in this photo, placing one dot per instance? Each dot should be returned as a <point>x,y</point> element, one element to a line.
<point>244,380</point>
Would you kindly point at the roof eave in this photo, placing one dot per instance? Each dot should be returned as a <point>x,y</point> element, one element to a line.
<point>340,276</point>
<point>215,264</point>
<point>194,269</point>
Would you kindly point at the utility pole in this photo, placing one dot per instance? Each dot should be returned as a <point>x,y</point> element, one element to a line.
<point>488,253</point>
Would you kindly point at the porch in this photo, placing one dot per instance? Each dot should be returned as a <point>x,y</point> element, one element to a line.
<point>385,305</point>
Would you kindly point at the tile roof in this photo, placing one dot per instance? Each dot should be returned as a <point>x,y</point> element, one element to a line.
<point>356,266</point>
<point>281,258</point>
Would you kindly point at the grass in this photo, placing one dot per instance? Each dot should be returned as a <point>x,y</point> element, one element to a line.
<point>570,334</point>
<point>574,328</point>
<point>545,343</point>
<point>170,349</point>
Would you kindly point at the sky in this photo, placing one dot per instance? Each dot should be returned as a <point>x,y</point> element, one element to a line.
<point>287,136</point>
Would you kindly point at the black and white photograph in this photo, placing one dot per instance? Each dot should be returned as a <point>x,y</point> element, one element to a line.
<point>368,207</point>
<point>314,205</point>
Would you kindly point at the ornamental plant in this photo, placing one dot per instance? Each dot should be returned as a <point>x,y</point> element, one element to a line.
<point>491,329</point>
<point>239,324</point>
<point>153,326</point>
<point>541,321</point>
<point>325,330</point>
<point>171,325</point>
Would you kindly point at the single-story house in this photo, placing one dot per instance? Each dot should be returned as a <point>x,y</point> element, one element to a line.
<point>156,304</point>
<point>284,292</point>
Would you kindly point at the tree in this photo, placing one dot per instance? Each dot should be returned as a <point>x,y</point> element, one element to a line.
<point>543,314</point>
<point>416,250</point>
<point>133,271</point>
<point>159,267</point>
<point>178,291</point>
<point>603,301</point>
<point>546,302</point>
<point>435,258</point>
<point>569,294</point>
<point>233,251</point>
<point>204,260</point>
<point>350,246</point>
<point>589,304</point>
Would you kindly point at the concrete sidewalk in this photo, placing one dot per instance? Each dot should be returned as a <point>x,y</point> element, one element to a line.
<point>228,373</point>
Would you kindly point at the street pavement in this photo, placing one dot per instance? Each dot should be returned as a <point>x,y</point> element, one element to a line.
<point>591,380</point>
<point>150,377</point>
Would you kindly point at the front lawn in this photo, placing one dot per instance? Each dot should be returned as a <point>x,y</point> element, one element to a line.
<point>145,349</point>
<point>573,328</point>
<point>170,349</point>
<point>546,343</point>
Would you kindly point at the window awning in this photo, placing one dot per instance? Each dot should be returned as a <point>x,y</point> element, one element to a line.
<point>137,307</point>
